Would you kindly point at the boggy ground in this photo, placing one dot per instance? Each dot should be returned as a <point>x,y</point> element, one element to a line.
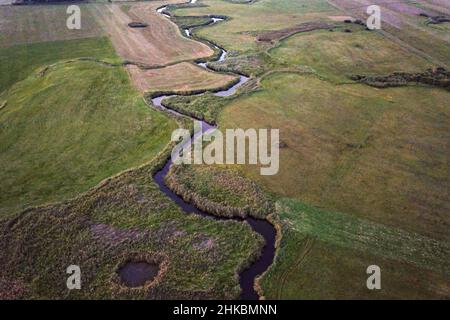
<point>125,217</point>
<point>182,77</point>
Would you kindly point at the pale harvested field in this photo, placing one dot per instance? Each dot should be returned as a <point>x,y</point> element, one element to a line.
<point>38,23</point>
<point>179,77</point>
<point>161,43</point>
<point>402,24</point>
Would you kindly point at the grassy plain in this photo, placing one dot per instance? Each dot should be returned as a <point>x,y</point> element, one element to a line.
<point>64,128</point>
<point>63,132</point>
<point>378,156</point>
<point>239,33</point>
<point>160,44</point>
<point>325,255</point>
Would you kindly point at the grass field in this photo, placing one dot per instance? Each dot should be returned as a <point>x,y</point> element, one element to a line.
<point>66,127</point>
<point>239,33</point>
<point>63,132</point>
<point>38,23</point>
<point>402,24</point>
<point>325,255</point>
<point>363,171</point>
<point>19,61</point>
<point>359,52</point>
<point>357,149</point>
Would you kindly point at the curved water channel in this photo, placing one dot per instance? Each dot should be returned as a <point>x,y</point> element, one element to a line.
<point>262,227</point>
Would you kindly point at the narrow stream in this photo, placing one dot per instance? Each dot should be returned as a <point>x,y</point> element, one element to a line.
<point>263,227</point>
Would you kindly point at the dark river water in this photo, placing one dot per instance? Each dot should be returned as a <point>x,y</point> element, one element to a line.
<point>262,227</point>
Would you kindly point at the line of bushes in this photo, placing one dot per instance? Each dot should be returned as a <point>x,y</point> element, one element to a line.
<point>437,77</point>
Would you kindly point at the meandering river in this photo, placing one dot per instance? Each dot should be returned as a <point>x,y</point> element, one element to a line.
<point>262,227</point>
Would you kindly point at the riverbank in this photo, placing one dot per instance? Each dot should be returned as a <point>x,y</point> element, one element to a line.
<point>264,228</point>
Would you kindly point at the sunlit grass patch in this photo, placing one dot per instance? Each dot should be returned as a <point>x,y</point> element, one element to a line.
<point>65,130</point>
<point>324,255</point>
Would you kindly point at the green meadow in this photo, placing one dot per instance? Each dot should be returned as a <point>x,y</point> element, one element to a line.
<point>19,61</point>
<point>64,131</point>
<point>363,176</point>
<point>325,254</point>
<point>126,218</point>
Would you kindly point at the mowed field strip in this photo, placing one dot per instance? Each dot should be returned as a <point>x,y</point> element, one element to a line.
<point>160,44</point>
<point>184,76</point>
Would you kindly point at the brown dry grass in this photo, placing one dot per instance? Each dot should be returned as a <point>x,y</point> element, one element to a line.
<point>180,77</point>
<point>161,43</point>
